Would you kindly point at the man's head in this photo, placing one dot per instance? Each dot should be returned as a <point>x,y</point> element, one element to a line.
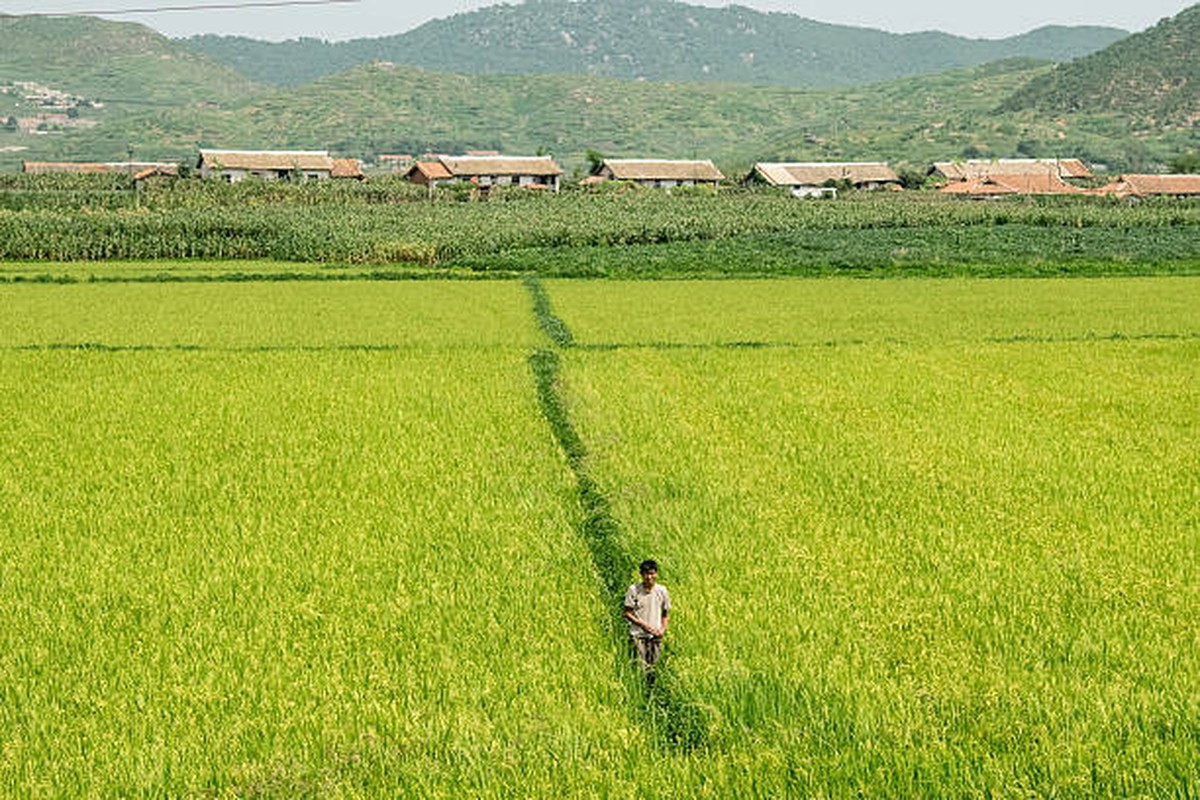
<point>649,571</point>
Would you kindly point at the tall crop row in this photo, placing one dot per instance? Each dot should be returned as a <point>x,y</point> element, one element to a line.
<point>345,225</point>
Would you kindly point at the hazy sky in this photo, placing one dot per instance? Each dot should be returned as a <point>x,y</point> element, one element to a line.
<point>384,17</point>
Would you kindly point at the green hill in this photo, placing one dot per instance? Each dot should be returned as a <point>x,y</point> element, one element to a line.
<point>656,40</point>
<point>1152,77</point>
<point>113,63</point>
<point>387,108</point>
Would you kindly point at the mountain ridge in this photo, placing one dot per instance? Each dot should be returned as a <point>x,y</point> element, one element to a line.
<point>657,40</point>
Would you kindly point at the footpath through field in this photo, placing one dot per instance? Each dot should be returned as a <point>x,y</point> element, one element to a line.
<point>925,538</point>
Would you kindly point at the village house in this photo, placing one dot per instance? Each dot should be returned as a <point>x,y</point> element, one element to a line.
<point>1152,185</point>
<point>982,178</point>
<point>972,169</point>
<point>488,170</point>
<point>814,179</point>
<point>429,173</point>
<point>269,165</point>
<point>659,173</point>
<point>999,185</point>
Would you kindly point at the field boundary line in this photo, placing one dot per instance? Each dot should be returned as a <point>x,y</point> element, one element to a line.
<point>566,341</point>
<point>99,347</point>
<point>298,276</point>
<point>549,322</point>
<point>677,722</point>
<point>1115,336</point>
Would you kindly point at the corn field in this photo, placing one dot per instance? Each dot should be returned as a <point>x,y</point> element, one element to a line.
<point>391,223</point>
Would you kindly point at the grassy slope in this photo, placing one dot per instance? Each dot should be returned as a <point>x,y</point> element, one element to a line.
<point>385,108</point>
<point>132,78</point>
<point>117,63</point>
<point>1153,76</point>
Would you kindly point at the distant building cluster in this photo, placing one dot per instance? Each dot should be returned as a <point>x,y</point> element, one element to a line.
<point>482,170</point>
<point>51,110</point>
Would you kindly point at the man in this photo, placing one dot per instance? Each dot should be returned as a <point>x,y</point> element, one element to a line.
<point>647,607</point>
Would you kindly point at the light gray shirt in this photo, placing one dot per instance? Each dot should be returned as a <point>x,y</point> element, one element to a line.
<point>648,606</point>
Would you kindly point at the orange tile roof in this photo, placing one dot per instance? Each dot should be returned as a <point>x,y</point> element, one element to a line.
<point>431,170</point>
<point>1045,183</point>
<point>1145,185</point>
<point>346,168</point>
<point>41,167</point>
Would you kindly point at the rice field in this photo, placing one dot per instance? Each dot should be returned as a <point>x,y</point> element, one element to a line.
<point>924,538</point>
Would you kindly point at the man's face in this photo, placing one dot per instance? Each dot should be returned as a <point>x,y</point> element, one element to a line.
<point>649,578</point>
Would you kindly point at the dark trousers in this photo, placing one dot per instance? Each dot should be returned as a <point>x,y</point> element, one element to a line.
<point>647,650</point>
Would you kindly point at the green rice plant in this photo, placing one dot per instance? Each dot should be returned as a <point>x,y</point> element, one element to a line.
<point>818,312</point>
<point>941,557</point>
<point>925,538</point>
<point>323,549</point>
<point>266,315</point>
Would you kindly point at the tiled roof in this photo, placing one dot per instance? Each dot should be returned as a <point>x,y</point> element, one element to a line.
<point>431,170</point>
<point>469,166</point>
<point>170,170</point>
<point>1144,185</point>
<point>318,160</point>
<point>980,168</point>
<point>1044,183</point>
<point>817,173</point>
<point>346,168</point>
<point>638,169</point>
<point>42,167</point>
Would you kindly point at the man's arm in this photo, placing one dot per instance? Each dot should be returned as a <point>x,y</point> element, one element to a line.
<point>647,627</point>
<point>629,615</point>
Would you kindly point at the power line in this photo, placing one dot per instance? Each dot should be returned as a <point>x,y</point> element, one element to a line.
<point>198,7</point>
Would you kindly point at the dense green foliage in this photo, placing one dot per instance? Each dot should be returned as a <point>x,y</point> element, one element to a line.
<point>655,40</point>
<point>392,224</point>
<point>1152,77</point>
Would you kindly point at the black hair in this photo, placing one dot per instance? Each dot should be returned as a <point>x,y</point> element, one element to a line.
<point>649,565</point>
